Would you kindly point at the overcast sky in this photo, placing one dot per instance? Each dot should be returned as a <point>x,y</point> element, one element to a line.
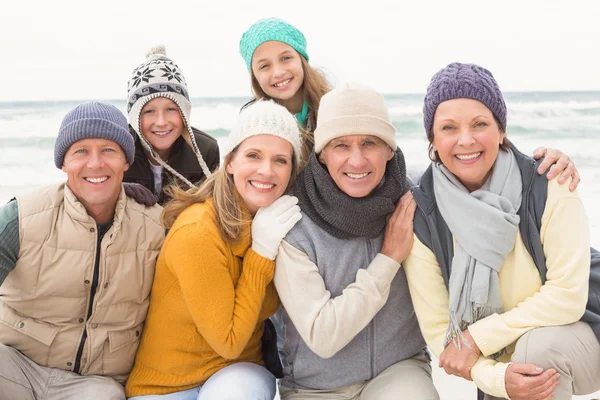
<point>73,49</point>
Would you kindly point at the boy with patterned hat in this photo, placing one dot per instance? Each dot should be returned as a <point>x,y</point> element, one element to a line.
<point>167,148</point>
<point>75,272</point>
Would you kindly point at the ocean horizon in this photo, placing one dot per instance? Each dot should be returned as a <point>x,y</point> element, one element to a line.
<point>569,121</point>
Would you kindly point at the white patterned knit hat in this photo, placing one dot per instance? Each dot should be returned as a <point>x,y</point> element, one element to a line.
<point>158,76</point>
<point>265,117</point>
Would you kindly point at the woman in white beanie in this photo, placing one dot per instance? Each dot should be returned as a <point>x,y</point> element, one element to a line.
<point>213,286</point>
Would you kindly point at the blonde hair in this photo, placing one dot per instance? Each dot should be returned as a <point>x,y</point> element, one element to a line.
<point>227,202</point>
<point>313,87</point>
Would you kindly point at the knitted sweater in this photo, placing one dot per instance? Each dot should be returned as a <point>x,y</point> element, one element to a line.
<point>527,303</point>
<point>208,303</point>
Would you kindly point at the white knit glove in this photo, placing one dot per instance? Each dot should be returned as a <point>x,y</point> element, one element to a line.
<point>272,223</point>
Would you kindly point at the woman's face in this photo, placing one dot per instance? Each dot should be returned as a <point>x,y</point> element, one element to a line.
<point>467,140</point>
<point>356,163</point>
<point>278,69</point>
<point>261,170</point>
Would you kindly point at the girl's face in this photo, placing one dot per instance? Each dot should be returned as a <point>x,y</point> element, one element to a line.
<point>467,140</point>
<point>261,169</point>
<point>278,70</point>
<point>161,124</point>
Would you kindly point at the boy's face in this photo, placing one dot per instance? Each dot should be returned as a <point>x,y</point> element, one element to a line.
<point>161,124</point>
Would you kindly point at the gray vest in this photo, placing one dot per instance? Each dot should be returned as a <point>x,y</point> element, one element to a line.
<point>392,336</point>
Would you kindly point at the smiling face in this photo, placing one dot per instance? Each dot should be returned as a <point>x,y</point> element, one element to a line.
<point>467,139</point>
<point>95,169</point>
<point>356,163</point>
<point>278,70</point>
<point>261,170</point>
<point>161,124</point>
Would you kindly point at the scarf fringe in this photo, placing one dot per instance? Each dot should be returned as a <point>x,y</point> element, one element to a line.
<point>454,333</point>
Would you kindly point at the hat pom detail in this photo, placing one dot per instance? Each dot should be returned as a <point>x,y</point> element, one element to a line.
<point>159,50</point>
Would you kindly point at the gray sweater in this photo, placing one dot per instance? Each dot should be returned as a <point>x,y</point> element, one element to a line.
<point>391,336</point>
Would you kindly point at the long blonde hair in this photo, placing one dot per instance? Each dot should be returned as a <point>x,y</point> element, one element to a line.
<point>314,87</point>
<point>228,204</point>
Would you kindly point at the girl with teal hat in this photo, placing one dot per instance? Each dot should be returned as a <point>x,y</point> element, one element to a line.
<point>276,57</point>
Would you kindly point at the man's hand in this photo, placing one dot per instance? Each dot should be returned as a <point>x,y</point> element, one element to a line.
<point>398,237</point>
<point>140,194</point>
<point>559,164</point>
<point>459,362</point>
<point>530,382</point>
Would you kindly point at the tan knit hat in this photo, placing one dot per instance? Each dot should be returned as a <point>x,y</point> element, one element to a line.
<point>353,109</point>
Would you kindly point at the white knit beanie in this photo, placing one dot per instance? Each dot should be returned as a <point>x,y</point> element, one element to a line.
<point>159,76</point>
<point>265,117</point>
<point>353,109</point>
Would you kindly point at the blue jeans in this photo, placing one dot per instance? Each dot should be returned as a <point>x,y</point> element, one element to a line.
<point>238,381</point>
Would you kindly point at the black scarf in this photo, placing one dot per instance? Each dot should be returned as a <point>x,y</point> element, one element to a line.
<point>347,217</point>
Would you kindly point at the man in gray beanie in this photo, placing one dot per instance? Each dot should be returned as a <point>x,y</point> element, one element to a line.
<point>76,267</point>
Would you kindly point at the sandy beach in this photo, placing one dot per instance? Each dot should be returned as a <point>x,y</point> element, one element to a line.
<point>454,388</point>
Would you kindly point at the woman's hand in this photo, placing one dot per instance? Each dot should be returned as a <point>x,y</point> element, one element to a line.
<point>398,238</point>
<point>559,164</point>
<point>457,361</point>
<point>272,223</point>
<point>530,382</point>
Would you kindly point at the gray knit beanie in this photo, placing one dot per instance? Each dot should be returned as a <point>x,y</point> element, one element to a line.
<point>464,81</point>
<point>93,120</point>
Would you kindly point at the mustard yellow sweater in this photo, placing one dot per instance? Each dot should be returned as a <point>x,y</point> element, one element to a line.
<point>208,303</point>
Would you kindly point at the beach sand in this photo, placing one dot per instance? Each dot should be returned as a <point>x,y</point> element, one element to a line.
<point>454,388</point>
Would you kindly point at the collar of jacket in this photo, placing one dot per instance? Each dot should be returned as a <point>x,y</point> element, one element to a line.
<point>75,209</point>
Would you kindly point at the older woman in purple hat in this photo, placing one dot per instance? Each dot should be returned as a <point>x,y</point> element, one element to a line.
<point>499,290</point>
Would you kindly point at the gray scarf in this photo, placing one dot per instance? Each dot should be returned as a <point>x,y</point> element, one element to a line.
<point>484,224</point>
<point>348,217</point>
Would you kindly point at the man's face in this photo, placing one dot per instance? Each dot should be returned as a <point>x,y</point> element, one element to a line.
<point>356,163</point>
<point>95,169</point>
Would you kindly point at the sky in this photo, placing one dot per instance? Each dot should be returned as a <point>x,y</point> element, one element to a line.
<point>77,50</point>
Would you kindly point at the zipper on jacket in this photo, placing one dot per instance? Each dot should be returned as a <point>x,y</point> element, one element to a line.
<point>101,230</point>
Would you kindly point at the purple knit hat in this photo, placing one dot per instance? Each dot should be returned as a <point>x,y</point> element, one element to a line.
<point>463,81</point>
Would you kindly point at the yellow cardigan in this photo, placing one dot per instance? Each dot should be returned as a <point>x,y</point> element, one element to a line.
<point>527,303</point>
<point>208,303</point>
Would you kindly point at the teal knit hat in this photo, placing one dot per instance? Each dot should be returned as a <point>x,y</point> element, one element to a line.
<point>268,29</point>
